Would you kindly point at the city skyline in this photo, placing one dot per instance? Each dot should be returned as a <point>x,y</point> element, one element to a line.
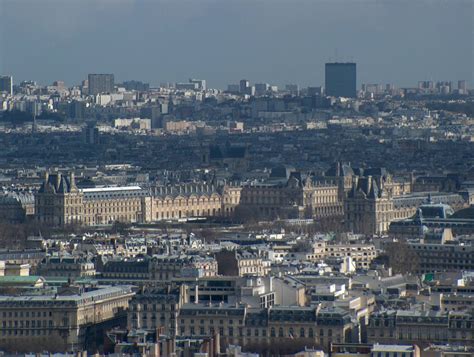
<point>283,44</point>
<point>237,178</point>
<point>184,84</point>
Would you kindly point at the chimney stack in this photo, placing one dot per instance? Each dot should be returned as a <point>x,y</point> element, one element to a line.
<point>58,179</point>
<point>196,294</point>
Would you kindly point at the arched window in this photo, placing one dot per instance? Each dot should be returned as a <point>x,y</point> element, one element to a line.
<point>280,332</point>
<point>310,332</point>
<point>302,332</point>
<point>272,332</point>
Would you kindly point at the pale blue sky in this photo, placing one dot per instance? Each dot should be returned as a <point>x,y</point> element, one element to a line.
<point>275,41</point>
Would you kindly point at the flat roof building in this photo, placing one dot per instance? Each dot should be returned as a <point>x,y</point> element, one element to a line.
<point>341,80</point>
<point>101,83</point>
<point>6,84</point>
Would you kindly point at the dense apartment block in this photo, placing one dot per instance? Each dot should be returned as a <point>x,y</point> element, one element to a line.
<point>421,327</point>
<point>100,83</point>
<point>242,263</point>
<point>159,268</point>
<point>361,254</point>
<point>66,266</point>
<point>59,322</point>
<point>439,257</point>
<point>237,324</point>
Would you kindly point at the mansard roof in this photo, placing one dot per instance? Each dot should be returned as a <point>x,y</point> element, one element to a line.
<point>185,190</point>
<point>369,187</point>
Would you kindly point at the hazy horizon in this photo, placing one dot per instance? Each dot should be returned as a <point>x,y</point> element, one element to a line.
<point>274,41</point>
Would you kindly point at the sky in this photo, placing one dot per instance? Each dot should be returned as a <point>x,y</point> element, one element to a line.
<point>223,41</point>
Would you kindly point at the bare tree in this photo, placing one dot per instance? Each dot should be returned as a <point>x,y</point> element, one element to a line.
<point>282,346</point>
<point>243,214</point>
<point>34,344</point>
<point>402,258</point>
<point>303,246</point>
<point>207,235</point>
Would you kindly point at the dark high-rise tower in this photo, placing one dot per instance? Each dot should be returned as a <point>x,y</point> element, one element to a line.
<point>244,86</point>
<point>341,80</point>
<point>101,83</point>
<point>6,84</point>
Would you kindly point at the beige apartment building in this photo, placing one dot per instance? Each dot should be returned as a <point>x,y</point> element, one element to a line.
<point>183,201</point>
<point>421,327</point>
<point>361,254</point>
<point>60,322</point>
<point>264,328</point>
<point>243,263</point>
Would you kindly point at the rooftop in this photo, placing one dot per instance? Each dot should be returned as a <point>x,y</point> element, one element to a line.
<point>110,189</point>
<point>391,348</point>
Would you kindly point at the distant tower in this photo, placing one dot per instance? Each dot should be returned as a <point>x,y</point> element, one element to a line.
<point>244,86</point>
<point>341,80</point>
<point>91,134</point>
<point>100,83</point>
<point>462,87</point>
<point>201,83</point>
<point>33,126</point>
<point>6,85</point>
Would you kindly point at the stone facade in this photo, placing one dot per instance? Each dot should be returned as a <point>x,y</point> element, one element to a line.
<point>162,268</point>
<point>58,323</point>
<point>236,324</point>
<point>183,201</point>
<point>421,328</point>
<point>233,263</point>
<point>374,202</point>
<point>66,266</point>
<point>60,203</point>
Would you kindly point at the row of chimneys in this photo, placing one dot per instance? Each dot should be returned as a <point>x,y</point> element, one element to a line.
<point>184,189</point>
<point>72,179</point>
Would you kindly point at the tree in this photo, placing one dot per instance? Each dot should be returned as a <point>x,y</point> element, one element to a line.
<point>402,258</point>
<point>47,115</point>
<point>119,227</point>
<point>35,344</point>
<point>243,214</point>
<point>303,246</point>
<point>207,235</point>
<point>14,236</point>
<point>16,117</point>
<point>281,346</point>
